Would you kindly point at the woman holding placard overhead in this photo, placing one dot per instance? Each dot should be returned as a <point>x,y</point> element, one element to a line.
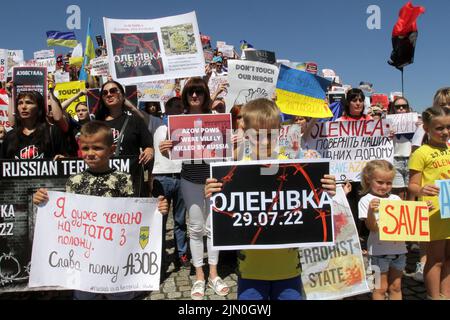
<point>196,100</point>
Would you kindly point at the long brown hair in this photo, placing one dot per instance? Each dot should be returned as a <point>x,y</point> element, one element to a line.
<point>200,85</point>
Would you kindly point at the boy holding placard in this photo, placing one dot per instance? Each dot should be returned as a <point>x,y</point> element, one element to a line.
<point>96,145</point>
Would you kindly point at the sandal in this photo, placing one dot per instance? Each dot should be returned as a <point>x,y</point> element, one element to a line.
<point>198,290</point>
<point>219,286</point>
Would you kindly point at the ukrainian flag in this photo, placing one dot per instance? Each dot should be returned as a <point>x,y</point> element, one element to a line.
<point>300,93</point>
<point>89,53</point>
<point>63,39</point>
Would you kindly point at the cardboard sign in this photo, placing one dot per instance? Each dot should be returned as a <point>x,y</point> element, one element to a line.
<point>97,244</point>
<point>444,198</point>
<point>261,56</point>
<point>227,51</point>
<point>65,91</point>
<point>338,271</point>
<point>15,58</point>
<point>215,82</point>
<point>199,136</point>
<point>249,81</point>
<point>44,54</point>
<point>4,101</point>
<point>100,66</point>
<point>30,79</point>
<point>94,96</point>
<point>3,65</point>
<point>350,145</point>
<point>160,91</point>
<point>302,94</point>
<point>289,141</point>
<point>151,50</point>
<point>270,205</point>
<point>404,221</point>
<point>19,179</point>
<point>61,77</point>
<point>403,122</point>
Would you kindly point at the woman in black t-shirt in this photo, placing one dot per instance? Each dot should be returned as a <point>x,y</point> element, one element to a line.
<point>129,131</point>
<point>32,137</point>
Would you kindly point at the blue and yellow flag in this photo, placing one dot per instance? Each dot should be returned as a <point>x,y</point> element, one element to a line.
<point>63,39</point>
<point>300,93</point>
<point>89,53</point>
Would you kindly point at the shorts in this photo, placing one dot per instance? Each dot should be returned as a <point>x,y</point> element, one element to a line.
<point>401,179</point>
<point>386,262</point>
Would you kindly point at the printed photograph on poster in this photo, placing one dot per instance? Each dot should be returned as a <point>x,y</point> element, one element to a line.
<point>270,205</point>
<point>19,180</point>
<point>179,40</point>
<point>136,55</point>
<point>206,137</point>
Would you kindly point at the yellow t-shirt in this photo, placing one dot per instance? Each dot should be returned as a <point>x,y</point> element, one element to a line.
<point>434,164</point>
<point>269,265</point>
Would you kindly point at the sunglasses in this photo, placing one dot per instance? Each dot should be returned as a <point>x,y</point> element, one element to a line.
<point>198,92</point>
<point>106,92</point>
<point>401,106</point>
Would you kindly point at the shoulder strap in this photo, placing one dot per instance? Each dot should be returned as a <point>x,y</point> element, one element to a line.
<point>122,133</point>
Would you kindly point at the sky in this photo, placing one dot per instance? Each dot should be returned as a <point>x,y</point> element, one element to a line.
<point>334,34</point>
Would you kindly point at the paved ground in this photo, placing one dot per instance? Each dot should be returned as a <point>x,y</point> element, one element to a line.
<point>176,282</point>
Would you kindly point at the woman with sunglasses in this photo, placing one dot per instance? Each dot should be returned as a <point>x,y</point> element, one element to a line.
<point>196,100</point>
<point>354,106</point>
<point>129,130</point>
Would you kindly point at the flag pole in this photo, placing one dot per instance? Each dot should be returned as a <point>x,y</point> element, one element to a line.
<point>403,83</point>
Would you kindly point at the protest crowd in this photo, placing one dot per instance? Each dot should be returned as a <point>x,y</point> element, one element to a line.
<point>368,165</point>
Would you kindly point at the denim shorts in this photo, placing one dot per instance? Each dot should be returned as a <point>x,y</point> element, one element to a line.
<point>395,261</point>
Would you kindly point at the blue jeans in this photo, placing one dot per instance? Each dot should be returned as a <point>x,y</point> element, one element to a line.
<point>289,289</point>
<point>169,187</point>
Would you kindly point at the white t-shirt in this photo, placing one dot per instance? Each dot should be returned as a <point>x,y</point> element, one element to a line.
<point>162,164</point>
<point>374,245</point>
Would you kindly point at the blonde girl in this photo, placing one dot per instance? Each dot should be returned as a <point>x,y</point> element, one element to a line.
<point>389,258</point>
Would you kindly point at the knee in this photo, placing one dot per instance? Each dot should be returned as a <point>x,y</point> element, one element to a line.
<point>196,231</point>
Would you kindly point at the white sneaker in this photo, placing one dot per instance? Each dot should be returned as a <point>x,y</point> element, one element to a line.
<point>418,275</point>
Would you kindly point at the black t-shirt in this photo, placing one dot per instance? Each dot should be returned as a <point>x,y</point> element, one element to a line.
<point>29,148</point>
<point>136,134</point>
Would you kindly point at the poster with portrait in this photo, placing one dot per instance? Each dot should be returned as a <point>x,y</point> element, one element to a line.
<point>151,50</point>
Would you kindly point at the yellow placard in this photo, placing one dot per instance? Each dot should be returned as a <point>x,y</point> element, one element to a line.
<point>404,221</point>
<point>300,105</point>
<point>66,90</point>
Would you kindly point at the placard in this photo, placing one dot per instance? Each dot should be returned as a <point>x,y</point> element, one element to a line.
<point>150,50</point>
<point>201,136</point>
<point>249,81</point>
<point>403,122</point>
<point>404,221</point>
<point>350,145</point>
<point>65,91</point>
<point>30,79</point>
<point>260,56</point>
<point>338,271</point>
<point>270,205</point>
<point>444,198</point>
